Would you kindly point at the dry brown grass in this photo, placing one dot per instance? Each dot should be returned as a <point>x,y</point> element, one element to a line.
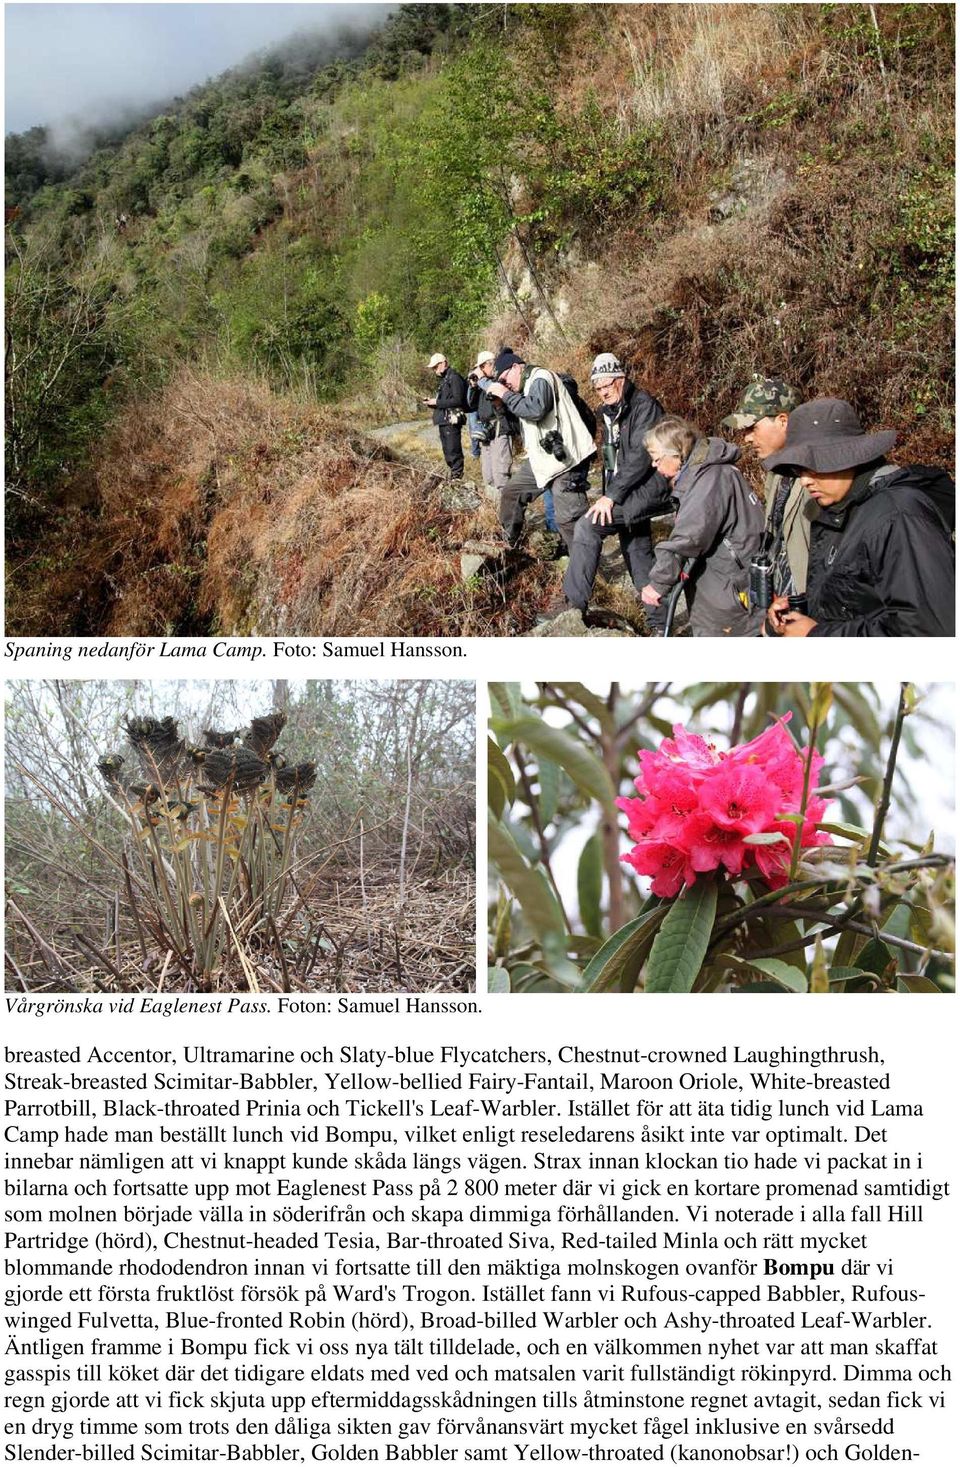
<point>744,297</point>
<point>821,277</point>
<point>222,507</point>
<point>680,65</point>
<point>371,944</point>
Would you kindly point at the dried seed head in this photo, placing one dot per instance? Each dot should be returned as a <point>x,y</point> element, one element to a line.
<point>215,738</point>
<point>109,767</point>
<point>299,779</point>
<point>238,767</point>
<point>264,732</point>
<point>158,744</point>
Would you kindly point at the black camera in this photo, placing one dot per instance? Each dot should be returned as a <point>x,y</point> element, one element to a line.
<point>760,581</point>
<point>488,432</point>
<point>552,442</point>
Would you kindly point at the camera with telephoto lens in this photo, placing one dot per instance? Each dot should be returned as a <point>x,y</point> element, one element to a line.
<point>552,442</point>
<point>760,581</point>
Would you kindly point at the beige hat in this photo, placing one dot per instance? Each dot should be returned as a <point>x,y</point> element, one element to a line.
<point>485,356</point>
<point>436,359</point>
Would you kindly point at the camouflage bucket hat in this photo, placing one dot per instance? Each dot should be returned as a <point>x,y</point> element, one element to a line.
<point>766,397</point>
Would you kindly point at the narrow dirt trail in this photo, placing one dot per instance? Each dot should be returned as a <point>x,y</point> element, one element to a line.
<point>614,607</point>
<point>404,438</point>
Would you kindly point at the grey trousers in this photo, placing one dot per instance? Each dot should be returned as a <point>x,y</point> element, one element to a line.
<point>495,461</point>
<point>588,541</point>
<point>569,499</point>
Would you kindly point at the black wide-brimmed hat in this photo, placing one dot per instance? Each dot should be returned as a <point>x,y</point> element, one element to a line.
<point>826,436</point>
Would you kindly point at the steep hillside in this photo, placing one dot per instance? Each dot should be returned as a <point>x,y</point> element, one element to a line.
<point>709,189</point>
<point>225,507</point>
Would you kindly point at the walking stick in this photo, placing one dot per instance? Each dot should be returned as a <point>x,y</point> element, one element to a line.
<point>675,597</point>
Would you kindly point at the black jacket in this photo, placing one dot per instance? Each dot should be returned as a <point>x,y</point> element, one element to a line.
<point>490,409</point>
<point>881,561</point>
<point>451,396</point>
<point>634,484</point>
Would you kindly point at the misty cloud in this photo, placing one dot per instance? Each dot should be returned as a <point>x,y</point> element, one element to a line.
<point>73,68</point>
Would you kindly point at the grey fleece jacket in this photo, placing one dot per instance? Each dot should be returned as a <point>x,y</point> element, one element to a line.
<point>719,527</point>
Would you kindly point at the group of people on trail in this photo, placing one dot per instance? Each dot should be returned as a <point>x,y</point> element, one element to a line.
<point>844,543</point>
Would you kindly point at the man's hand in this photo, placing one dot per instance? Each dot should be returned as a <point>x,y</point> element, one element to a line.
<point>602,512</point>
<point>779,608</point>
<point>429,401</point>
<point>649,596</point>
<point>782,622</point>
<point>496,389</point>
<point>795,624</point>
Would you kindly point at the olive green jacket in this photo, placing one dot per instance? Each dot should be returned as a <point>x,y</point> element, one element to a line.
<point>798,515</point>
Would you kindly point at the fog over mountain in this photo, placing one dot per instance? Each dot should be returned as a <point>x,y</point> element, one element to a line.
<point>73,67</point>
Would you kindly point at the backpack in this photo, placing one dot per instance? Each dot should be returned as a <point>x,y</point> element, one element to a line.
<point>584,411</point>
<point>937,485</point>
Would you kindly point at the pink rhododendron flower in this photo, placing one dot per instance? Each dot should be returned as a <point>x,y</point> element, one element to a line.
<point>696,806</point>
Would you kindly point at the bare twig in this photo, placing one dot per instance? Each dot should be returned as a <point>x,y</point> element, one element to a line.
<point>883,804</point>
<point>541,834</point>
<point>868,930</point>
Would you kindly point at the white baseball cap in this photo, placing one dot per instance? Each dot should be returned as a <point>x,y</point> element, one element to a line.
<point>436,359</point>
<point>485,356</point>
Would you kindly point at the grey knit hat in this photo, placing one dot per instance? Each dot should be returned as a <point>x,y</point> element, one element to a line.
<point>606,365</point>
<point>826,436</point>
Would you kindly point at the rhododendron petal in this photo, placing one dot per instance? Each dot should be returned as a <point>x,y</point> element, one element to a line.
<point>712,845</point>
<point>773,863</point>
<point>690,749</point>
<point>665,862</point>
<point>741,797</point>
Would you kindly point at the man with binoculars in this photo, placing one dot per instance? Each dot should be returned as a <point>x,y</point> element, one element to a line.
<point>780,569</point>
<point>632,493</point>
<point>496,425</point>
<point>881,543</point>
<point>558,442</point>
